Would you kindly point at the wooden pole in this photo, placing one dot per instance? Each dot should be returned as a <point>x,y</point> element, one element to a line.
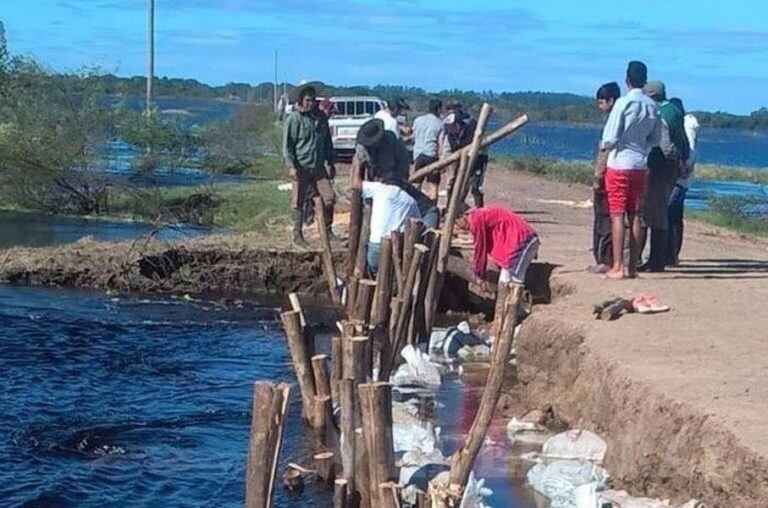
<point>336,367</point>
<point>397,261</point>
<point>399,338</point>
<point>474,148</point>
<point>293,298</point>
<point>354,354</point>
<point>360,261</point>
<point>267,416</point>
<point>301,363</point>
<point>320,374</point>
<point>328,268</point>
<point>413,230</point>
<point>492,138</point>
<point>376,402</point>
<point>501,305</point>
<point>340,493</point>
<point>462,460</point>
<point>362,473</point>
<point>366,289</point>
<point>380,312</point>
<point>355,216</point>
<point>389,496</point>
<point>324,466</point>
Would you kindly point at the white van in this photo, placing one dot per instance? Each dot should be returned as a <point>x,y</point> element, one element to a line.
<point>349,114</point>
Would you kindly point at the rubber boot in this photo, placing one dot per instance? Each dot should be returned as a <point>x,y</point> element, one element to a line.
<point>298,237</point>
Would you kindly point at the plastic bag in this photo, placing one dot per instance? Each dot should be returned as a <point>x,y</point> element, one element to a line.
<point>620,499</point>
<point>415,438</point>
<point>417,370</point>
<point>559,480</point>
<point>527,432</point>
<point>575,445</point>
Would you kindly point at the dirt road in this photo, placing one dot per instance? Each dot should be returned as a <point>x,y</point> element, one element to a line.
<point>681,397</point>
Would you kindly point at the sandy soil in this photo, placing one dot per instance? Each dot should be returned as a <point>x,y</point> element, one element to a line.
<point>681,397</point>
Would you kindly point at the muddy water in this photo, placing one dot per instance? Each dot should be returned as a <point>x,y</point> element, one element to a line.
<point>129,401</point>
<point>125,401</point>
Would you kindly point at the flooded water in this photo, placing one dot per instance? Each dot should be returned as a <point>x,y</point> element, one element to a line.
<point>131,401</point>
<point>37,230</point>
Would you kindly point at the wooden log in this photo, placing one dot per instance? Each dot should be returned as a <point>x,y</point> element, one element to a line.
<point>267,416</point>
<point>366,290</point>
<point>336,368</point>
<point>293,298</point>
<point>504,131</point>
<point>397,261</point>
<point>354,351</point>
<point>301,359</point>
<point>362,474</point>
<point>501,306</point>
<point>474,148</point>
<point>360,260</point>
<point>380,313</point>
<point>462,460</point>
<point>430,295</point>
<point>461,268</point>
<point>322,418</point>
<point>376,405</point>
<point>347,426</point>
<point>292,480</point>
<point>341,493</point>
<point>413,231</point>
<point>328,269</point>
<point>355,218</point>
<point>320,373</point>
<point>389,495</point>
<point>324,466</point>
<point>399,338</point>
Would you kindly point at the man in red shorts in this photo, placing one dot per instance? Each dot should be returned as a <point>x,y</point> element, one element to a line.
<point>632,129</point>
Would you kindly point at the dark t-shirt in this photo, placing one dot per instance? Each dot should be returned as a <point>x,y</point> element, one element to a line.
<point>388,162</point>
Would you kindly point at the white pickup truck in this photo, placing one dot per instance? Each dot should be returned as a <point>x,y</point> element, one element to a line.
<point>349,114</point>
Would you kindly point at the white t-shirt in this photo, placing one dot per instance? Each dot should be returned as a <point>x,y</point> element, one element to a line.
<point>632,129</point>
<point>691,126</point>
<point>390,122</point>
<point>392,206</point>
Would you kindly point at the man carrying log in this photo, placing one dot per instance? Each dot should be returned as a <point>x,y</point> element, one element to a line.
<point>309,157</point>
<point>502,235</point>
<point>384,159</point>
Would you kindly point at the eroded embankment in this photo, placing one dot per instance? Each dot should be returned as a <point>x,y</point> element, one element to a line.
<point>216,264</point>
<point>656,445</point>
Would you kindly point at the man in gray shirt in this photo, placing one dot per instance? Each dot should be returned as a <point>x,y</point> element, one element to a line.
<point>427,131</point>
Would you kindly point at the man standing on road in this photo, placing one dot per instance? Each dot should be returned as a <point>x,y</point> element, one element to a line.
<point>664,166</point>
<point>633,127</point>
<point>384,158</point>
<point>427,130</point>
<point>606,97</point>
<point>309,157</point>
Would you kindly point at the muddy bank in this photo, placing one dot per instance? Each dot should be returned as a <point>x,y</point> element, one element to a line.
<point>657,445</point>
<point>236,264</point>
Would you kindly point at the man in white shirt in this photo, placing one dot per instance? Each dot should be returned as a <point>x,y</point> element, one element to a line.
<point>632,129</point>
<point>391,208</point>
<point>427,133</point>
<point>389,115</point>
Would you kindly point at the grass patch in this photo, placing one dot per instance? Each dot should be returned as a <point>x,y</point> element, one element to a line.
<point>240,207</point>
<point>742,214</point>
<point>569,172</point>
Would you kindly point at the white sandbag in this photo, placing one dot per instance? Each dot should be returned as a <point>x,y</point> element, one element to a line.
<point>527,432</point>
<point>586,496</point>
<point>417,370</point>
<point>620,499</point>
<point>475,493</point>
<point>558,480</point>
<point>415,438</point>
<point>575,445</point>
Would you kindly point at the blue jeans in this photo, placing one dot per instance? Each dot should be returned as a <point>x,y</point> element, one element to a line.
<point>675,230</point>
<point>372,257</point>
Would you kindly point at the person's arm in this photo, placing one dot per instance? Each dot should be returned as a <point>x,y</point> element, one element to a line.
<point>601,162</point>
<point>613,129</point>
<point>668,148</point>
<point>480,251</point>
<point>289,146</point>
<point>330,153</point>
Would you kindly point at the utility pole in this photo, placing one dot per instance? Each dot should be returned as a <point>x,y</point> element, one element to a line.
<point>275,88</point>
<point>150,53</point>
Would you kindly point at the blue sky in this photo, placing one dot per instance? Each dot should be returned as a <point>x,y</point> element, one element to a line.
<point>713,54</point>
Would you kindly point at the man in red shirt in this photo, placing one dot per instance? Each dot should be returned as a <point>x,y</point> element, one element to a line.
<point>505,237</point>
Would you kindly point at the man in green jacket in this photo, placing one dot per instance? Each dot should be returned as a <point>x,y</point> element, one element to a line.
<point>309,157</point>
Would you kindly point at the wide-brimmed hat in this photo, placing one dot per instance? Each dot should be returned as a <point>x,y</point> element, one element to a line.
<point>370,132</point>
<point>297,92</point>
<point>398,103</point>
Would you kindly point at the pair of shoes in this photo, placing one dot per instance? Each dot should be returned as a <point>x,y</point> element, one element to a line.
<point>648,304</point>
<point>649,268</point>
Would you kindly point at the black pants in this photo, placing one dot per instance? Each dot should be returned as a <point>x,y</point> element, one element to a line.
<point>601,230</point>
<point>658,255</point>
<point>477,179</point>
